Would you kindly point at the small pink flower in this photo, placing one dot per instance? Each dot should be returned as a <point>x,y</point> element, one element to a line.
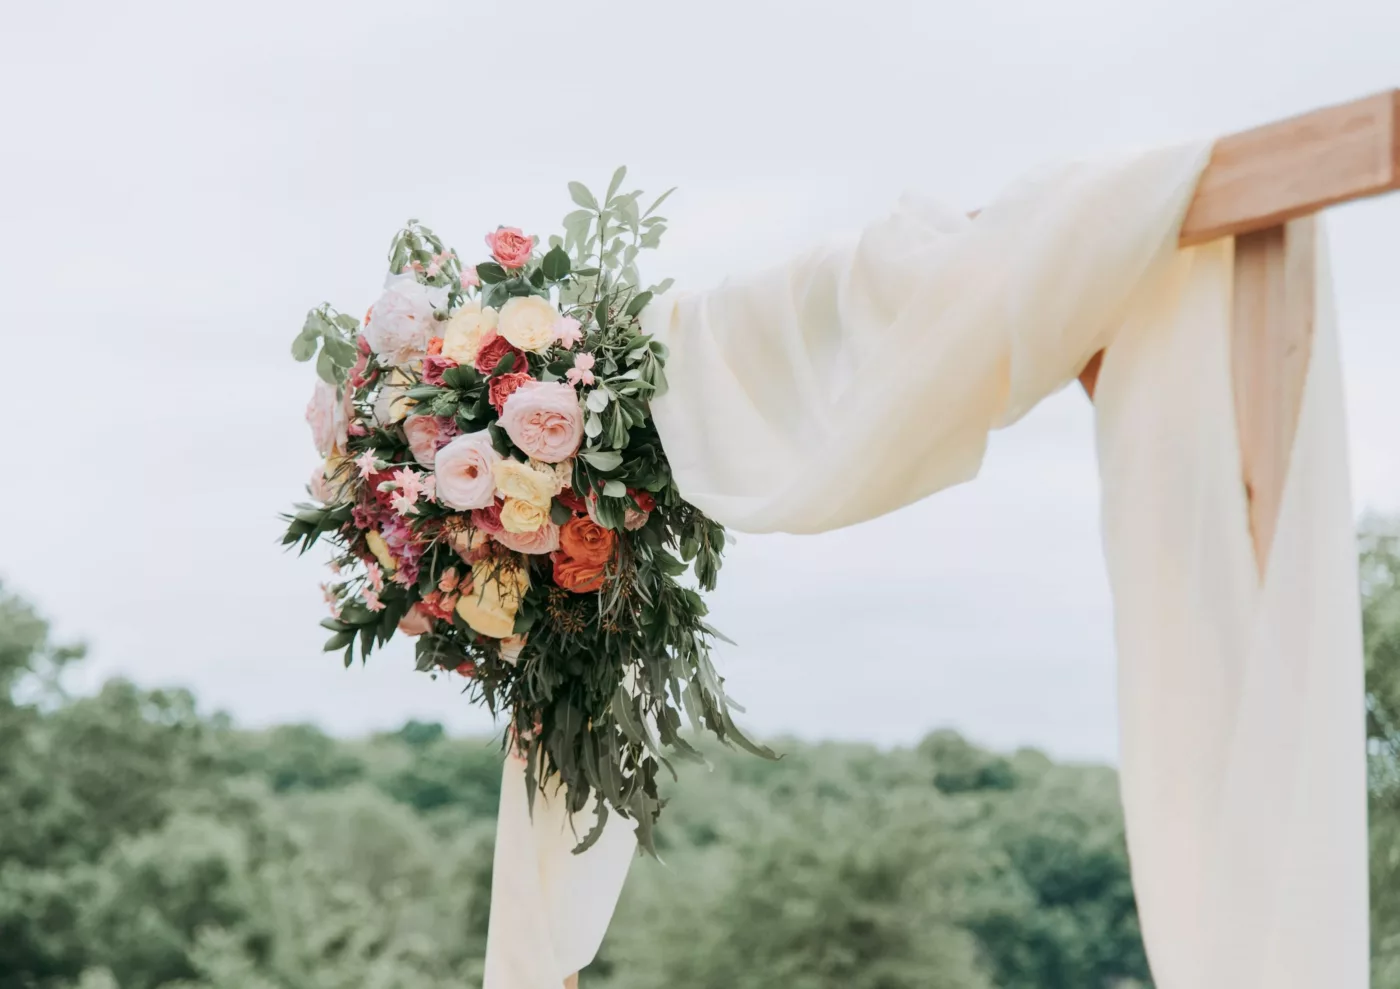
<point>403,504</point>
<point>582,371</point>
<point>367,464</point>
<point>410,483</point>
<point>430,488</point>
<point>568,331</point>
<point>437,262</point>
<point>510,247</point>
<point>372,601</point>
<point>447,583</point>
<point>376,576</point>
<point>470,279</point>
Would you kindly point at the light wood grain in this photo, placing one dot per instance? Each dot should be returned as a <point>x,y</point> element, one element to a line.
<point>1270,347</point>
<point>1264,177</point>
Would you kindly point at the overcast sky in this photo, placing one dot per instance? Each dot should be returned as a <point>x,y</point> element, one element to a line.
<point>180,181</point>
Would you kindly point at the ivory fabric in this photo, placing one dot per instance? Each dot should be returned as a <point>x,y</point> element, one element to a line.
<point>864,376</point>
<point>549,907</point>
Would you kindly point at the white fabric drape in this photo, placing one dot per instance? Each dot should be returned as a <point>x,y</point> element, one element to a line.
<point>549,907</point>
<point>863,377</point>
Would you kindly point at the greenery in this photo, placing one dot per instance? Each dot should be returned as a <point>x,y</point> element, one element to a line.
<point>144,845</point>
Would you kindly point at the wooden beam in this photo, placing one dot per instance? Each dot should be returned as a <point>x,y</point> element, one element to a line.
<point>1267,176</point>
<point>1270,347</point>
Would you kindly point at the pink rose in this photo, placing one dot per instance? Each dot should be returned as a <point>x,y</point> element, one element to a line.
<point>320,489</point>
<point>488,519</point>
<point>427,435</point>
<point>463,469</point>
<point>416,622</point>
<point>401,323</point>
<point>545,539</point>
<point>510,246</point>
<point>544,419</point>
<point>326,416</point>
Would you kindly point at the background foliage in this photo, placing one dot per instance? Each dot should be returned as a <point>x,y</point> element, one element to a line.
<point>144,845</point>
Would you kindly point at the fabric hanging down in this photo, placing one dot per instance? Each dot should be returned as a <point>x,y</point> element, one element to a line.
<point>1240,701</point>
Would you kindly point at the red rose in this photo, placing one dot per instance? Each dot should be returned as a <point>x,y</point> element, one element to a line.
<point>570,499</point>
<point>493,348</point>
<point>643,499</point>
<point>433,366</point>
<point>503,385</point>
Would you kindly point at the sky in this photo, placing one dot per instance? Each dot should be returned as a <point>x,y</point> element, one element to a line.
<point>180,182</point>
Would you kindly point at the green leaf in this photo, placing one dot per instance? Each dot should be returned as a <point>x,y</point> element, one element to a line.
<point>326,368</point>
<point>597,400</point>
<point>638,303</point>
<point>616,182</point>
<point>490,273</point>
<point>603,459</point>
<point>342,353</point>
<point>580,194</point>
<point>304,347</point>
<point>340,640</point>
<point>593,426</point>
<point>347,323</point>
<point>659,200</point>
<point>559,513</point>
<point>555,264</point>
<point>615,489</point>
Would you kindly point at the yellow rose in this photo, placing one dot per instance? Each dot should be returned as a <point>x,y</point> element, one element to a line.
<point>339,473</point>
<point>517,480</point>
<point>464,331</point>
<point>497,588</point>
<point>380,549</point>
<point>518,515</point>
<point>528,322</point>
<point>393,405</point>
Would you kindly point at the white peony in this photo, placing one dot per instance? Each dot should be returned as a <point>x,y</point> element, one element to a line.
<point>402,322</point>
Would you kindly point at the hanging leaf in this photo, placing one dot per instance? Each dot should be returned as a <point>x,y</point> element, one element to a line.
<point>490,273</point>
<point>580,194</point>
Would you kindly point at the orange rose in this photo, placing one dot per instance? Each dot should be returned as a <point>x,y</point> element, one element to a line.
<point>574,575</point>
<point>586,541</point>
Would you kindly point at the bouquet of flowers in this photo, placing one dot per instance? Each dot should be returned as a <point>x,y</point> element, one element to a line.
<point>493,486</point>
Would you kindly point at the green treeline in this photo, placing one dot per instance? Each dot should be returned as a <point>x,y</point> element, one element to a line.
<point>144,844</point>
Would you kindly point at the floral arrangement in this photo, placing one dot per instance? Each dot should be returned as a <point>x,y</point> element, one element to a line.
<point>494,487</point>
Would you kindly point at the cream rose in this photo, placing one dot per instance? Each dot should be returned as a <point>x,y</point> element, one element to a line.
<point>463,468</point>
<point>529,322</point>
<point>522,516</point>
<point>468,325</point>
<point>497,588</point>
<point>517,480</point>
<point>337,480</point>
<point>380,549</point>
<point>543,540</point>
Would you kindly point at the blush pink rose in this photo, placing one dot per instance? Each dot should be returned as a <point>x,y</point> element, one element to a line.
<point>545,539</point>
<point>463,470</point>
<point>416,622</point>
<point>510,246</point>
<point>327,418</point>
<point>488,519</point>
<point>434,365</point>
<point>544,419</point>
<point>492,349</point>
<point>427,435</point>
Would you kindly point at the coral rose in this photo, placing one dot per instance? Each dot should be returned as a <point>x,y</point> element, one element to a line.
<point>465,330</point>
<point>510,246</point>
<point>586,541</point>
<point>581,578</point>
<point>503,386</point>
<point>493,348</point>
<point>463,469</point>
<point>529,322</point>
<point>544,419</point>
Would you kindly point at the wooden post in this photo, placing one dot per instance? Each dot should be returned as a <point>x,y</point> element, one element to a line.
<point>1270,346</point>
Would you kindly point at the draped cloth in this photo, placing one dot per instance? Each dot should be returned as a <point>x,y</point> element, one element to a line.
<point>864,376</point>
